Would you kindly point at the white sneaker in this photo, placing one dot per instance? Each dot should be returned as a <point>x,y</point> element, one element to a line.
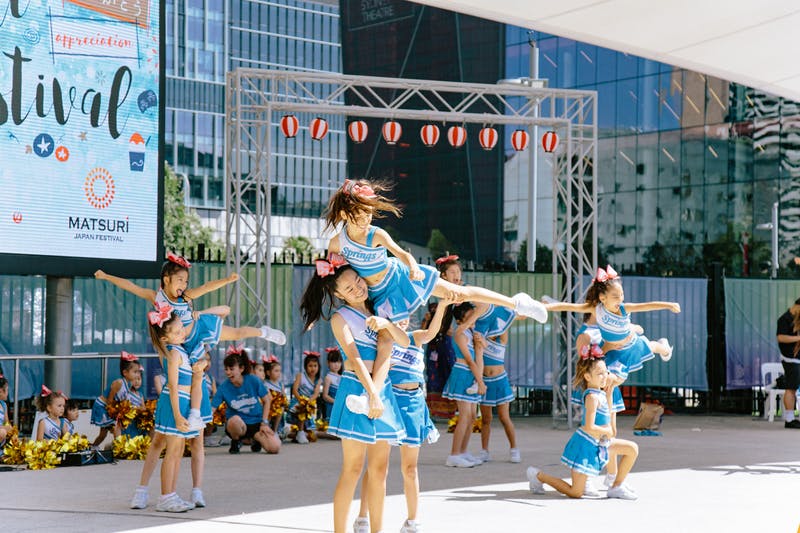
<point>139,500</point>
<point>665,357</point>
<point>411,526</point>
<point>536,486</point>
<point>484,456</point>
<point>458,461</point>
<point>527,306</point>
<point>472,389</point>
<point>195,423</point>
<point>197,498</point>
<point>301,437</point>
<point>358,404</point>
<point>622,492</point>
<point>211,442</point>
<point>609,479</point>
<point>477,461</point>
<point>361,525</point>
<point>589,490</point>
<point>224,440</point>
<point>273,335</point>
<point>514,455</point>
<point>173,504</point>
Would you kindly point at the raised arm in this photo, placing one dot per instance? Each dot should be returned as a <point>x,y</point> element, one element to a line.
<point>210,286</point>
<point>377,323</point>
<point>384,239</point>
<point>472,316</point>
<point>653,306</point>
<point>128,286</point>
<point>572,308</point>
<point>424,336</point>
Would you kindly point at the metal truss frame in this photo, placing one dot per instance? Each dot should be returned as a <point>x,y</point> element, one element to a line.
<point>254,98</point>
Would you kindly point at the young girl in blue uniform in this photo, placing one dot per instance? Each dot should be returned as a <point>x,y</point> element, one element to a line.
<point>589,448</point>
<point>247,411</point>
<point>466,386</point>
<point>52,404</point>
<point>118,391</point>
<point>202,327</point>
<point>71,414</point>
<point>272,368</point>
<point>365,371</point>
<point>307,384</point>
<point>332,379</point>
<point>4,426</point>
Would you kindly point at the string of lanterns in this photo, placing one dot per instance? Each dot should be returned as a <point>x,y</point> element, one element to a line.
<point>391,132</point>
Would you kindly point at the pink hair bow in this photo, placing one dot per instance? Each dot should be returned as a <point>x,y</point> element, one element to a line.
<point>128,356</point>
<point>161,314</point>
<point>605,275</point>
<point>330,349</point>
<point>46,392</point>
<point>353,188</point>
<point>235,349</point>
<point>326,267</point>
<point>309,353</point>
<point>270,359</point>
<point>446,259</point>
<point>178,260</point>
<point>595,352</point>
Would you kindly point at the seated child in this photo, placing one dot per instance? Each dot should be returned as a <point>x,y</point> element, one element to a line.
<point>332,379</point>
<point>306,385</point>
<point>52,404</point>
<point>70,416</point>
<point>116,392</point>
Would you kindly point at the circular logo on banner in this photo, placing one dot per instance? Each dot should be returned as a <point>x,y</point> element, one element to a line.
<point>99,188</point>
<point>16,217</point>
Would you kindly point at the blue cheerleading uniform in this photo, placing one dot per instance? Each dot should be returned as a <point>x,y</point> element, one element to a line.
<point>615,328</point>
<point>3,412</point>
<point>407,367</point>
<point>206,328</point>
<point>68,426</point>
<point>100,412</point>
<point>396,296</point>
<point>498,388</point>
<point>136,400</point>
<point>577,393</point>
<point>461,377</point>
<point>583,452</point>
<point>306,388</point>
<point>333,387</point>
<point>52,429</point>
<point>347,424</point>
<point>164,417</point>
<point>495,321</point>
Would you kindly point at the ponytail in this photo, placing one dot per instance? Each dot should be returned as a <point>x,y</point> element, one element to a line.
<point>318,298</point>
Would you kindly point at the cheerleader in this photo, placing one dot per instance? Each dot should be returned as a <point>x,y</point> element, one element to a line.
<point>307,385</point>
<point>332,379</point>
<point>119,390</point>
<point>71,414</point>
<point>272,367</point>
<point>52,404</point>
<point>589,448</point>
<point>365,372</point>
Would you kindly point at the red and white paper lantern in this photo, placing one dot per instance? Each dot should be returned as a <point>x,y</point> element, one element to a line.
<point>290,126</point>
<point>550,141</point>
<point>358,131</point>
<point>488,138</point>
<point>391,132</point>
<point>519,140</point>
<point>429,135</point>
<point>318,129</point>
<point>457,136</point>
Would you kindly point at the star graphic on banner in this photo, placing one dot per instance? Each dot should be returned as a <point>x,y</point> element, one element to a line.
<point>43,146</point>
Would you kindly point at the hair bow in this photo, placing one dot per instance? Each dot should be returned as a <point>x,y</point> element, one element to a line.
<point>605,275</point>
<point>353,188</point>
<point>45,391</point>
<point>178,260</point>
<point>270,359</point>
<point>235,349</point>
<point>161,314</point>
<point>446,259</point>
<point>330,349</point>
<point>309,353</point>
<point>128,356</point>
<point>595,352</point>
<point>1,375</point>
<point>326,267</point>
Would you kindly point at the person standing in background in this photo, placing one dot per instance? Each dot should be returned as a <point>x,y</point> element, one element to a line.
<point>789,344</point>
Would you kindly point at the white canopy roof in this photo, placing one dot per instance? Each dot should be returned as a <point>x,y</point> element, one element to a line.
<point>752,42</point>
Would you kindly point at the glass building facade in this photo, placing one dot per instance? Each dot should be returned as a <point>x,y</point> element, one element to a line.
<point>205,39</point>
<point>688,164</point>
<point>457,191</point>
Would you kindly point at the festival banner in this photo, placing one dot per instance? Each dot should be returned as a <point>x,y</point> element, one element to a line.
<point>79,129</point>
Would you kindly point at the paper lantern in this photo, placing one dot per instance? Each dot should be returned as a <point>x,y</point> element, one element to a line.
<point>488,138</point>
<point>429,135</point>
<point>519,140</point>
<point>457,136</point>
<point>550,141</point>
<point>358,131</point>
<point>318,129</point>
<point>290,126</point>
<point>391,132</point>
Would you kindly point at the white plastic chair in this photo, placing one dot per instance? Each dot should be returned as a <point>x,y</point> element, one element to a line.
<point>769,374</point>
